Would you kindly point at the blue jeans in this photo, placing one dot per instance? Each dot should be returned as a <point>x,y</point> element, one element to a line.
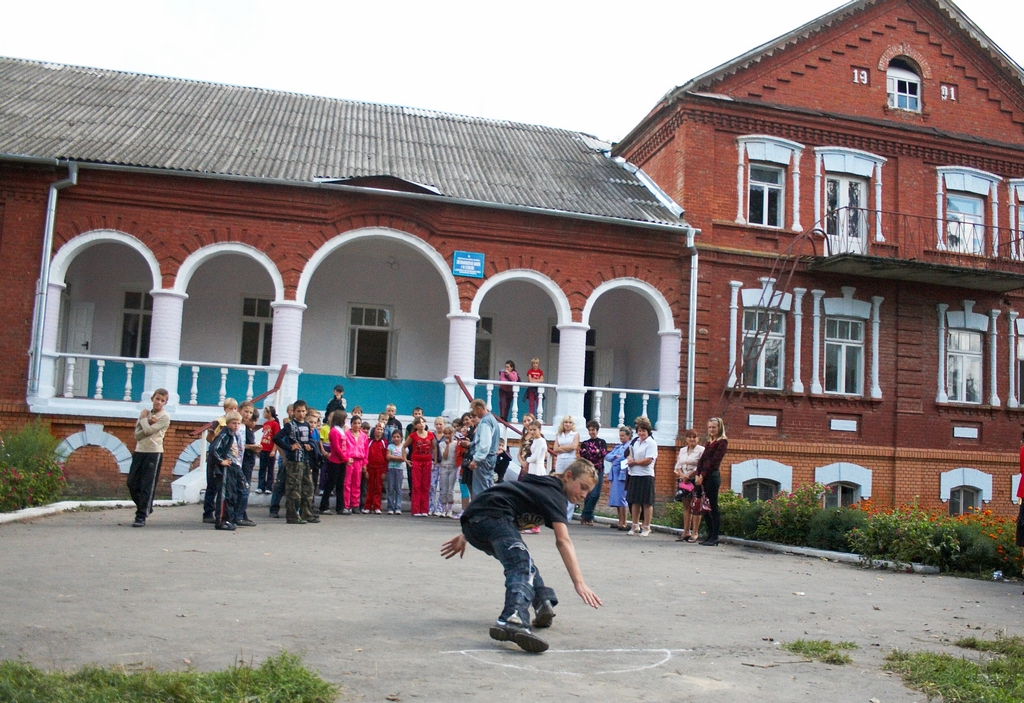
<point>279,486</point>
<point>483,475</point>
<point>499,537</point>
<point>595,495</point>
<point>394,488</point>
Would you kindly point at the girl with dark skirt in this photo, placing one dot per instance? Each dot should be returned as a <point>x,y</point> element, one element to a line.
<point>708,476</point>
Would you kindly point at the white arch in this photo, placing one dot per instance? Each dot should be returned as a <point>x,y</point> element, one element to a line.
<point>204,254</point>
<point>661,307</point>
<point>188,455</point>
<point>948,480</point>
<point>554,291</point>
<point>845,472</point>
<point>94,436</point>
<point>76,245</point>
<point>335,243</point>
<point>760,468</point>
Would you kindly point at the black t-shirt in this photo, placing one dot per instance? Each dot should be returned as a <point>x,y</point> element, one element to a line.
<point>531,502</point>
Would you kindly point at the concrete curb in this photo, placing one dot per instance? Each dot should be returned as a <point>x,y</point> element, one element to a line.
<point>54,508</point>
<point>842,557</point>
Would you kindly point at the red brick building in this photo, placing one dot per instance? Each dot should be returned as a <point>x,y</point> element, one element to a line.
<point>204,237</point>
<point>859,188</point>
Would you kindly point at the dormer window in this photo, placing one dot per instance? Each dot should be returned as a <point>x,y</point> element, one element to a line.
<point>903,86</point>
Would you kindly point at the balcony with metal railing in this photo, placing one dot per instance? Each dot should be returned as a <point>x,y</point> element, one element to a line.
<point>959,251</point>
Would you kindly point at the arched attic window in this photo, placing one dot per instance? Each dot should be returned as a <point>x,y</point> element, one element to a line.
<point>903,85</point>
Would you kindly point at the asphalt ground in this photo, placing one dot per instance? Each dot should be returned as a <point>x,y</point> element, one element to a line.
<point>370,604</point>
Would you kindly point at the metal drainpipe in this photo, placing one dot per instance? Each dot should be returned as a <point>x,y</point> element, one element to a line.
<point>43,285</point>
<point>691,341</point>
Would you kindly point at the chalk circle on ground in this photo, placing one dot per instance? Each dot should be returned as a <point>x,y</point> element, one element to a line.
<point>574,662</point>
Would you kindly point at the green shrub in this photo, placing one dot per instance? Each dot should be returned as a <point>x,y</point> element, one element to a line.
<point>739,515</point>
<point>672,516</point>
<point>908,535</point>
<point>829,529</point>
<point>30,473</point>
<point>786,517</point>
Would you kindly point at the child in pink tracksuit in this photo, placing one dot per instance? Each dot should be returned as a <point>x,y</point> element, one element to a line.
<point>358,442</point>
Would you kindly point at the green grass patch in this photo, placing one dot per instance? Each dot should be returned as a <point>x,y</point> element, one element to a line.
<point>822,650</point>
<point>280,679</point>
<point>997,677</point>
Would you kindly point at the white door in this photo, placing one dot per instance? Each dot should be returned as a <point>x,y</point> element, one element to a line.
<point>79,341</point>
<point>846,214</point>
<point>603,364</point>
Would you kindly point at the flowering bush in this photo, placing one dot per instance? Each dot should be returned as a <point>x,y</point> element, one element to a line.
<point>739,515</point>
<point>974,542</point>
<point>786,517</point>
<point>30,473</point>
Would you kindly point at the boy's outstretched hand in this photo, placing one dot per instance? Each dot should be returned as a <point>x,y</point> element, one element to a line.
<point>457,545</point>
<point>588,596</point>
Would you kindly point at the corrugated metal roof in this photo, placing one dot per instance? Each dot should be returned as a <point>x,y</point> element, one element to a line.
<point>112,117</point>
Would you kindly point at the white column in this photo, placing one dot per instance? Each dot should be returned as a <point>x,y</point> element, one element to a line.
<point>164,345</point>
<point>1011,400</point>
<point>285,345</point>
<point>668,385</point>
<point>461,356</point>
<point>995,219</point>
<point>741,218</point>
<point>1011,222</point>
<point>819,196</point>
<point>941,396</point>
<point>940,225</point>
<point>797,153</point>
<point>816,341</point>
<point>572,356</point>
<point>734,307</point>
<point>879,237</point>
<point>51,327</point>
<point>993,336</point>
<point>876,304</point>
<point>798,323</point>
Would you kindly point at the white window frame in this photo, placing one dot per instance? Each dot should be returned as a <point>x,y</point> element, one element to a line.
<point>765,299</point>
<point>767,469</point>
<point>761,149</point>
<point>894,76</point>
<point>840,162</point>
<point>262,352</point>
<point>767,189</point>
<point>965,223</point>
<point>956,500</point>
<point>964,476</point>
<point>144,315</point>
<point>959,365</point>
<point>1015,205</point>
<point>844,345</point>
<point>762,335</point>
<point>967,321</point>
<point>351,345</point>
<point>965,182</point>
<point>847,308</point>
<point>834,497</point>
<point>846,473</point>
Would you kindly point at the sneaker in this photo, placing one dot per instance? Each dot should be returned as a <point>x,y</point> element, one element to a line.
<point>327,512</point>
<point>346,511</point>
<point>297,521</point>
<point>646,532</point>
<point>544,614</point>
<point>365,511</point>
<point>277,515</point>
<point>391,512</point>
<point>313,519</point>
<point>516,631</point>
<point>139,522</point>
<point>376,512</point>
<point>246,522</point>
<point>456,516</point>
<point>229,526</point>
<point>398,512</point>
<point>209,520</point>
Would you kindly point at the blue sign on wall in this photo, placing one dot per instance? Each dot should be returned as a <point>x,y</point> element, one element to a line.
<point>468,263</point>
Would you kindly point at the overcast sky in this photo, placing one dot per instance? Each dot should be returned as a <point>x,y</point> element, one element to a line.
<point>591,66</point>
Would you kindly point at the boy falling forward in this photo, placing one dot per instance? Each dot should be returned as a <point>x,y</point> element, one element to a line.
<point>492,524</point>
